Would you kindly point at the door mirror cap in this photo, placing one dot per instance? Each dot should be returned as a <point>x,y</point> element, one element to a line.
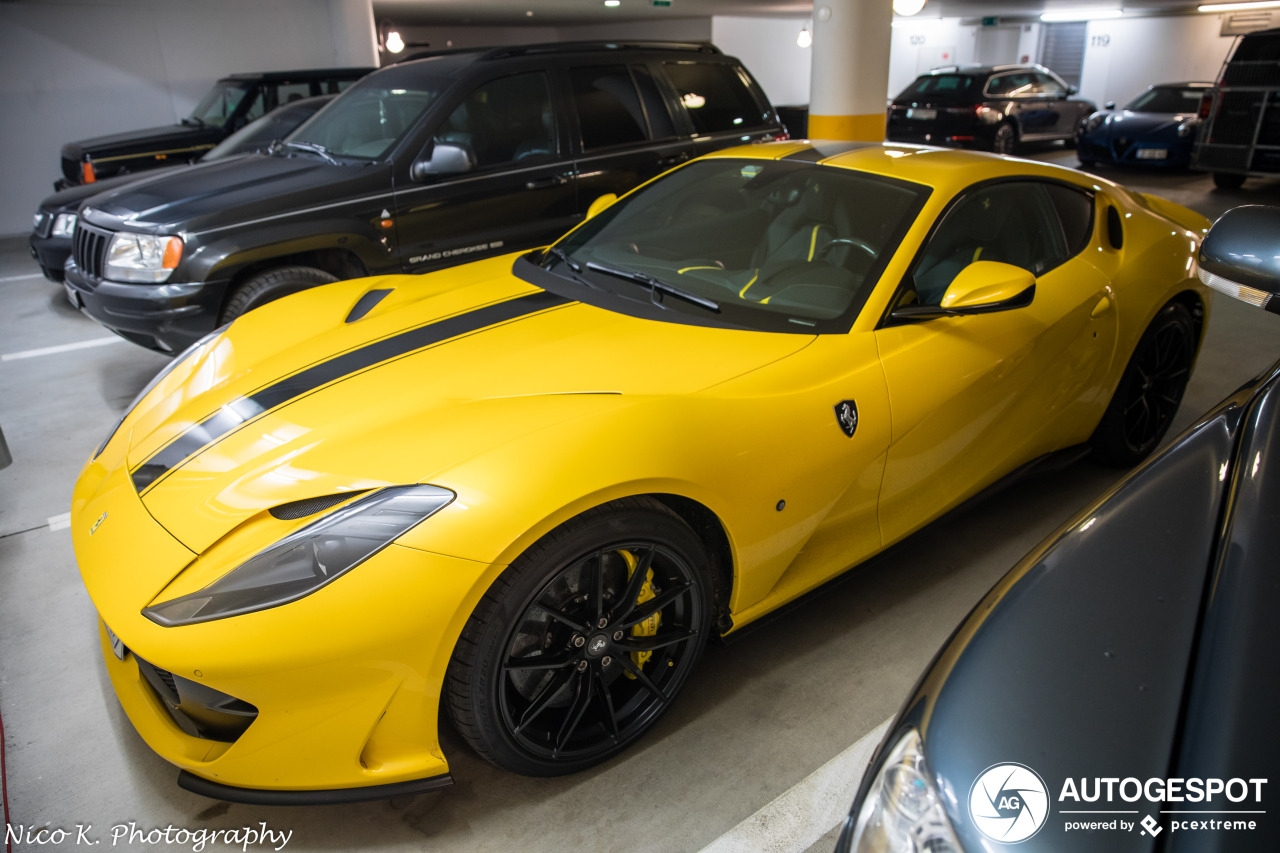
<point>1109,105</point>
<point>445,159</point>
<point>601,203</point>
<point>983,287</point>
<point>1240,256</point>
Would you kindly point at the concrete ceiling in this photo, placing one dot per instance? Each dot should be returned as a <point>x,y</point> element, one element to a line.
<point>561,12</point>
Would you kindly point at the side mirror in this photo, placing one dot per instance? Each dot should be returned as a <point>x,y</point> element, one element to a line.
<point>983,287</point>
<point>445,159</point>
<point>1071,90</point>
<point>1240,256</point>
<point>601,203</point>
<point>1109,105</point>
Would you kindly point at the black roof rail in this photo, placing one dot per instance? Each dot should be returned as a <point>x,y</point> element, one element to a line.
<point>574,46</point>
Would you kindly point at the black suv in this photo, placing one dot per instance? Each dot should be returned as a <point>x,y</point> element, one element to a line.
<point>232,103</point>
<point>994,108</point>
<point>1240,132</point>
<point>423,164</point>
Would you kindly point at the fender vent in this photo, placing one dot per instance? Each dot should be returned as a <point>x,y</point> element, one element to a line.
<point>366,304</point>
<point>310,506</point>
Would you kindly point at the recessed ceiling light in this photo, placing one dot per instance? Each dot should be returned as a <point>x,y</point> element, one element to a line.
<point>613,2</point>
<point>1237,7</point>
<point>907,8</point>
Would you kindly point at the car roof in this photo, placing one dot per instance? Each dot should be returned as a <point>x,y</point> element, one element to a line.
<point>982,70</point>
<point>299,74</point>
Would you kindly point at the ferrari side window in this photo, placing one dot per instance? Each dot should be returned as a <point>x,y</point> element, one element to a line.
<point>1075,209</point>
<point>1013,223</point>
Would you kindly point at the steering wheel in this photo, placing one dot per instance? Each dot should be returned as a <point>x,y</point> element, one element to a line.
<point>846,241</point>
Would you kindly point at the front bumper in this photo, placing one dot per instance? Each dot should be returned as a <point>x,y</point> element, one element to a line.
<point>51,254</point>
<point>345,683</point>
<point>166,317</point>
<point>1129,152</point>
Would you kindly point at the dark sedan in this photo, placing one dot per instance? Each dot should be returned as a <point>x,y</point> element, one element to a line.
<point>994,108</point>
<point>1116,691</point>
<point>54,224</point>
<point>1157,128</point>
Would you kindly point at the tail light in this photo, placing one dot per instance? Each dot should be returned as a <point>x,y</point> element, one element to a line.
<point>87,173</point>
<point>1206,104</point>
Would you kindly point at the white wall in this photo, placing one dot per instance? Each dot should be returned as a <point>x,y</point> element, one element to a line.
<point>920,44</point>
<point>1124,56</point>
<point>767,46</point>
<point>672,29</point>
<point>71,70</point>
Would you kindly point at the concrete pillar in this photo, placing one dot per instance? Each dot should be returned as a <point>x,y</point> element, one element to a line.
<point>850,69</point>
<point>355,41</point>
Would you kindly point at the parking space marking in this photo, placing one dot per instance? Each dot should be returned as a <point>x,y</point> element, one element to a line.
<point>60,522</point>
<point>35,353</point>
<point>798,817</point>
<point>20,277</point>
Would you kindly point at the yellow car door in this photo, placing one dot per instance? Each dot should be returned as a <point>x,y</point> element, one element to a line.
<point>974,397</point>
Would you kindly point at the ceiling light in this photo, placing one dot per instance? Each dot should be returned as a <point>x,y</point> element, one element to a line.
<point>1080,15</point>
<point>805,38</point>
<point>613,2</point>
<point>1238,7</point>
<point>395,44</point>
<point>907,8</point>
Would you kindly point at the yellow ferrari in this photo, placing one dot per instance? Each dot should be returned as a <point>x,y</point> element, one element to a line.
<point>525,492</point>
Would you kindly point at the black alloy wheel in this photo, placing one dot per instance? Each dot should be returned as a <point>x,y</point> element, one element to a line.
<point>1150,390</point>
<point>1006,139</point>
<point>584,642</point>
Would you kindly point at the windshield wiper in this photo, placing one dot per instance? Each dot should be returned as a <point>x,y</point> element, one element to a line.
<point>561,255</point>
<point>193,120</point>
<point>314,148</point>
<point>655,287</point>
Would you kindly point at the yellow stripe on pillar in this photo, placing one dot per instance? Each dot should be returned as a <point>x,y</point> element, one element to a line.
<point>863,128</point>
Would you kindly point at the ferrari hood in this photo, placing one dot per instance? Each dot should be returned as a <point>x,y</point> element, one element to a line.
<point>394,380</point>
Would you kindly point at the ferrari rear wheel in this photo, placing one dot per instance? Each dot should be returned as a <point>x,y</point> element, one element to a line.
<point>1150,390</point>
<point>583,642</point>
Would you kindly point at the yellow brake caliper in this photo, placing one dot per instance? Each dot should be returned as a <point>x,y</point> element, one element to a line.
<point>648,627</point>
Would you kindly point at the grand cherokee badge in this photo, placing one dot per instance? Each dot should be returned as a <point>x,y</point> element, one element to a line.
<point>847,416</point>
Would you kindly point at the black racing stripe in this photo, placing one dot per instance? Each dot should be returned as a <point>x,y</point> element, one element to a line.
<point>228,418</point>
<point>824,149</point>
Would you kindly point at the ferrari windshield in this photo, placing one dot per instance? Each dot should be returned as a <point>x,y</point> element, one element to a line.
<point>367,120</point>
<point>764,244</point>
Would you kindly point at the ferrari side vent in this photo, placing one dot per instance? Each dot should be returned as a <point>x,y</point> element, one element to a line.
<point>310,506</point>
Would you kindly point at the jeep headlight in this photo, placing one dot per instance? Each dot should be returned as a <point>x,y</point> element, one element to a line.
<point>38,222</point>
<point>142,257</point>
<point>64,225</point>
<point>307,559</point>
<point>902,812</point>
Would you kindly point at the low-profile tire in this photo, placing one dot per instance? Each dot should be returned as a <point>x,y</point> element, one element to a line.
<point>1228,180</point>
<point>563,663</point>
<point>1005,140</point>
<point>269,286</point>
<point>1150,390</point>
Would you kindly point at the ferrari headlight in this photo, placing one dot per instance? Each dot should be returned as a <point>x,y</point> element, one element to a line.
<point>64,225</point>
<point>142,257</point>
<point>307,559</point>
<point>902,812</point>
<point>1188,128</point>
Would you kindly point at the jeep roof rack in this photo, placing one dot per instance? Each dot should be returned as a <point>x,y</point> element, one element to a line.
<point>572,46</point>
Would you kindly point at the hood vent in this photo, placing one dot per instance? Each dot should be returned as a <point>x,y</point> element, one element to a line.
<point>366,304</point>
<point>310,506</point>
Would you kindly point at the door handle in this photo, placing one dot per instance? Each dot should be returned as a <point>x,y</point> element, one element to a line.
<point>1102,306</point>
<point>544,183</point>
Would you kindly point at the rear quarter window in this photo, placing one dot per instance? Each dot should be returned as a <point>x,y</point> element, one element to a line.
<point>715,96</point>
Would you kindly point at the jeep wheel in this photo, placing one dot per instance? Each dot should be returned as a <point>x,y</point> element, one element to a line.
<point>269,286</point>
<point>1228,180</point>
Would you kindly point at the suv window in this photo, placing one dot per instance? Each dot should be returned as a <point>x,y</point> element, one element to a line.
<point>1046,85</point>
<point>715,96</point>
<point>608,106</point>
<point>940,84</point>
<point>655,106</point>
<point>217,106</point>
<point>1015,222</point>
<point>1013,84</point>
<point>504,120</point>
<point>289,92</point>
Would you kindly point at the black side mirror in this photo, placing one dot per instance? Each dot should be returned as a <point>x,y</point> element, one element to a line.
<point>445,159</point>
<point>1109,105</point>
<point>1240,256</point>
<point>1071,90</point>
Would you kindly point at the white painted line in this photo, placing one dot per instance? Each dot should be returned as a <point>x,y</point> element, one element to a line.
<point>34,353</point>
<point>797,818</point>
<point>60,522</point>
<point>20,277</point>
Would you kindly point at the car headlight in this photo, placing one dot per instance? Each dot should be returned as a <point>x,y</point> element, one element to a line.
<point>38,221</point>
<point>307,559</point>
<point>142,257</point>
<point>1095,121</point>
<point>64,225</point>
<point>902,810</point>
<point>1188,128</point>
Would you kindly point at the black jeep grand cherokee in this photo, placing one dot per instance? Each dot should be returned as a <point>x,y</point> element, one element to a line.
<point>456,156</point>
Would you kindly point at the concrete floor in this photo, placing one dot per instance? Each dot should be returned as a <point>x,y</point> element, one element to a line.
<point>780,706</point>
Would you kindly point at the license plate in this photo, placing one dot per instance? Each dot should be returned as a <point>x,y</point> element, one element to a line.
<point>72,296</point>
<point>1153,153</point>
<point>922,114</point>
<point>117,646</point>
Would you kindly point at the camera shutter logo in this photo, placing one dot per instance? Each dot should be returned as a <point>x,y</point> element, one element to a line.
<point>1009,803</point>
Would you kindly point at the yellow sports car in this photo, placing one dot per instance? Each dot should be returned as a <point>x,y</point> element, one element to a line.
<point>528,490</point>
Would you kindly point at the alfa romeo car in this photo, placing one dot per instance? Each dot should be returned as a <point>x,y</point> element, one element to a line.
<point>1157,128</point>
<point>1112,693</point>
<point>525,492</point>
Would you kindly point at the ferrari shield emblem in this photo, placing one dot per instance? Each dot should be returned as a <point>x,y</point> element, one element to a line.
<point>847,416</point>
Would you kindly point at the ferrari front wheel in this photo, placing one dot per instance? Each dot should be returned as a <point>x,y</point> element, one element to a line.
<point>583,642</point>
<point>1150,390</point>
